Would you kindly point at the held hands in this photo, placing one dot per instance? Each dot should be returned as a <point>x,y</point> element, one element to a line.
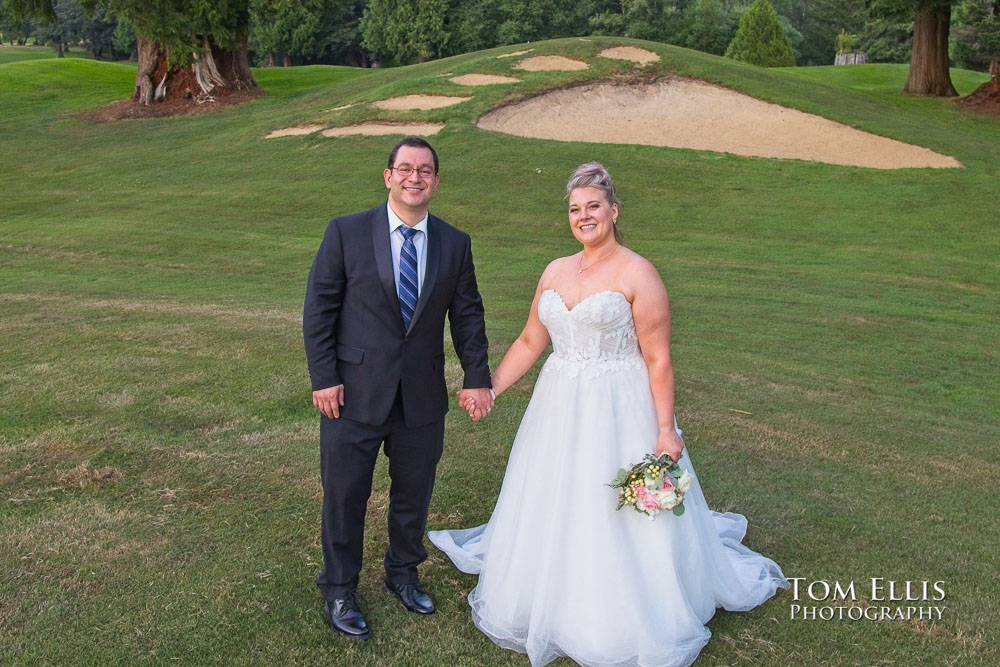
<point>669,443</point>
<point>329,400</point>
<point>477,402</point>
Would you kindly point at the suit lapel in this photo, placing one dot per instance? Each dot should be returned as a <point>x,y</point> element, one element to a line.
<point>383,259</point>
<point>432,246</point>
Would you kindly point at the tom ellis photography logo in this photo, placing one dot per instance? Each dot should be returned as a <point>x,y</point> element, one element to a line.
<point>874,600</point>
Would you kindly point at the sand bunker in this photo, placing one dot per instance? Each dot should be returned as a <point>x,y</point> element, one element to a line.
<point>550,64</point>
<point>419,102</point>
<point>632,53</point>
<point>514,53</point>
<point>379,129</point>
<point>483,79</point>
<point>683,113</point>
<point>298,130</point>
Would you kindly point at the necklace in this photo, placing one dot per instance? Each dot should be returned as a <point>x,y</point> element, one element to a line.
<point>581,268</point>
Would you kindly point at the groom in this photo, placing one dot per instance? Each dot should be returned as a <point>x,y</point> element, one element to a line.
<point>379,289</point>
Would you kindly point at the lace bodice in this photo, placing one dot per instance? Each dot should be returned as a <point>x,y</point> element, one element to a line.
<point>597,334</point>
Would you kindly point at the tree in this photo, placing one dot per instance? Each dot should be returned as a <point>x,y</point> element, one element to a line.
<point>66,28</point>
<point>707,27</point>
<point>760,38</point>
<point>886,40</point>
<point>186,48</point>
<point>404,31</point>
<point>929,73</point>
<point>976,31</point>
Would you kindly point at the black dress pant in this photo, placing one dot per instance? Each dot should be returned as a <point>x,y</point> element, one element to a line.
<point>348,450</point>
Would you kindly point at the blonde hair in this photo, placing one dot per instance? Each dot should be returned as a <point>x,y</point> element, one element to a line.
<point>595,175</point>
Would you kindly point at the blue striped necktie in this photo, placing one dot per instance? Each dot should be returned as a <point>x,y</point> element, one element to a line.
<point>408,290</point>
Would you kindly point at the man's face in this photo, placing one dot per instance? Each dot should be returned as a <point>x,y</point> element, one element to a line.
<point>411,192</point>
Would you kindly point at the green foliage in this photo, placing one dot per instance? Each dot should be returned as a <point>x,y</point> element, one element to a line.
<point>181,25</point>
<point>846,42</point>
<point>708,27</point>
<point>123,39</point>
<point>975,34</point>
<point>818,21</point>
<point>887,40</point>
<point>760,39</point>
<point>404,31</point>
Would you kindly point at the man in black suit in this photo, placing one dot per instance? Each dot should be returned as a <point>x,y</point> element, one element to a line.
<point>379,289</point>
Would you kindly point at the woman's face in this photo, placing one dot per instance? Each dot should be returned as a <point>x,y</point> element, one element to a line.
<point>591,217</point>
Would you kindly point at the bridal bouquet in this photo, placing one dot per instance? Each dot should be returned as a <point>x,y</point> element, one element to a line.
<point>656,483</point>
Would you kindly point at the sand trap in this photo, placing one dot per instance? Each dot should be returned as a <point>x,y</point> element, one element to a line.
<point>684,113</point>
<point>514,53</point>
<point>483,79</point>
<point>379,129</point>
<point>298,130</point>
<point>419,102</point>
<point>632,53</point>
<point>550,64</point>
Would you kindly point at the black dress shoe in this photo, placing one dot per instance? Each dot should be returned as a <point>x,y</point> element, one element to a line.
<point>413,597</point>
<point>346,617</point>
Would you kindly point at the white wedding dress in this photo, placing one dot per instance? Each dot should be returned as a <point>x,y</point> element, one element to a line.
<point>561,573</point>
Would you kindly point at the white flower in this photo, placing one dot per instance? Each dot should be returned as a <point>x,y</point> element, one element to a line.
<point>667,498</point>
<point>684,482</point>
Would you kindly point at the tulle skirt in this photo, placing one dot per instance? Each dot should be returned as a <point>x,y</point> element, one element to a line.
<point>562,573</point>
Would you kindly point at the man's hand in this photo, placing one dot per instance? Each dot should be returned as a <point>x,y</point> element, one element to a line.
<point>329,400</point>
<point>477,402</point>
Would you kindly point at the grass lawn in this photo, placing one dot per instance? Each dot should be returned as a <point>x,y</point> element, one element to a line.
<point>11,54</point>
<point>835,347</point>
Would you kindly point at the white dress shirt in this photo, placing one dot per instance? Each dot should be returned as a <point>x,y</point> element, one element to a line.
<point>419,242</point>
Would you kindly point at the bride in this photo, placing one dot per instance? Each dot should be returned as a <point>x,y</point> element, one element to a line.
<point>561,573</point>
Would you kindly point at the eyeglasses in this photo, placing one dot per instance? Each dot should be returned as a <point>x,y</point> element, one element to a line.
<point>406,170</point>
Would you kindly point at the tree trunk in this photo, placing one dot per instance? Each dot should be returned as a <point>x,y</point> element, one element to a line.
<point>212,72</point>
<point>286,60</point>
<point>59,49</point>
<point>929,73</point>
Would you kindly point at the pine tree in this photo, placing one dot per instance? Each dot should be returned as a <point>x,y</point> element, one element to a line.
<point>760,39</point>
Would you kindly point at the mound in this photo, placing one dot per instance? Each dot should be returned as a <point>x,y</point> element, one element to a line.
<point>380,129</point>
<point>483,79</point>
<point>423,102</point>
<point>296,131</point>
<point>550,64</point>
<point>632,53</point>
<point>684,113</point>
<point>987,96</point>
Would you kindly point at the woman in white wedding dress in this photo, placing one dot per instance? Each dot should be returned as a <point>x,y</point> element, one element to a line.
<point>561,573</point>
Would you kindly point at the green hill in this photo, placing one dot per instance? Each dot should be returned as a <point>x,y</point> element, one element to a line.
<point>834,339</point>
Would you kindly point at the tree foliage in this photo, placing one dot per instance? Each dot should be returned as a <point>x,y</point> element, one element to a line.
<point>760,38</point>
<point>404,31</point>
<point>708,27</point>
<point>976,32</point>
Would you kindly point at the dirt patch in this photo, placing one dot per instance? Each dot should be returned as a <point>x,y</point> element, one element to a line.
<point>550,64</point>
<point>129,109</point>
<point>295,131</point>
<point>514,53</point>
<point>483,79</point>
<point>85,477</point>
<point>984,98</point>
<point>422,102</point>
<point>341,108</point>
<point>632,53</point>
<point>380,129</point>
<point>684,113</point>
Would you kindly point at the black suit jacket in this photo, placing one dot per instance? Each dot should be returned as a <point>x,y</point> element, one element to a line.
<point>353,328</point>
